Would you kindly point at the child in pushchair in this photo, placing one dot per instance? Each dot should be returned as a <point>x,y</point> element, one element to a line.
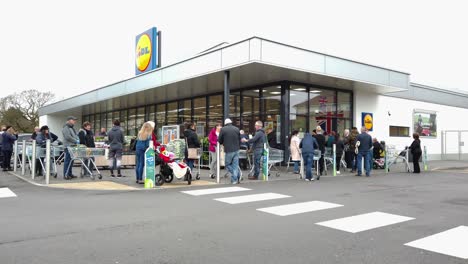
<point>170,167</point>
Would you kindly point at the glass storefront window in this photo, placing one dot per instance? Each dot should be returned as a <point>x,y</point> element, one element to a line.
<point>234,108</point>
<point>110,121</point>
<point>271,100</point>
<point>131,122</point>
<point>344,113</point>
<point>140,120</point>
<point>185,111</point>
<point>172,110</point>
<point>150,111</point>
<point>124,121</point>
<point>251,110</point>
<point>160,119</point>
<point>215,112</point>
<point>199,114</point>
<point>298,108</point>
<point>97,124</point>
<point>322,108</point>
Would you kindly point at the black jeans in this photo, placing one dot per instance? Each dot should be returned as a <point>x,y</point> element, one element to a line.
<point>416,157</point>
<point>7,159</point>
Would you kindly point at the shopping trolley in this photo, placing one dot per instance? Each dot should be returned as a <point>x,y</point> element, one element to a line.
<point>275,156</point>
<point>393,155</point>
<point>86,157</point>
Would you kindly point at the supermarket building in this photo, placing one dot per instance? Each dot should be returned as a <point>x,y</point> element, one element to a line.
<point>286,87</point>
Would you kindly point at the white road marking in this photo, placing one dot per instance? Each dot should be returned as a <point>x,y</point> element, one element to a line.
<point>358,223</point>
<point>252,198</point>
<point>6,193</point>
<point>298,208</point>
<point>453,242</point>
<point>215,191</point>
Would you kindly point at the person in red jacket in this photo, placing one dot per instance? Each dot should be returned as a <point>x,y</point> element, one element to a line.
<point>213,140</point>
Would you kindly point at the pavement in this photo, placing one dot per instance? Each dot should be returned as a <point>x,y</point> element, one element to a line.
<point>128,181</point>
<point>377,219</point>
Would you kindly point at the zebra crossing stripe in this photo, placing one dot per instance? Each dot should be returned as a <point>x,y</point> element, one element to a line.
<point>252,198</point>
<point>215,191</point>
<point>453,242</point>
<point>363,222</point>
<point>6,193</point>
<point>299,208</point>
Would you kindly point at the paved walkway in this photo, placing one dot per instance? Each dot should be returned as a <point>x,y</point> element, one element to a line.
<point>128,182</point>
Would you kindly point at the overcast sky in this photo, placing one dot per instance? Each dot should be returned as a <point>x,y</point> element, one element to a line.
<point>73,48</point>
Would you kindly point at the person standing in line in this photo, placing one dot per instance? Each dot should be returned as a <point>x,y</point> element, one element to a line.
<point>142,144</point>
<point>229,137</point>
<point>41,140</point>
<point>244,146</point>
<point>35,132</point>
<point>339,151</point>
<point>331,139</point>
<point>308,145</point>
<point>347,150</point>
<point>154,138</point>
<point>416,151</point>
<point>321,143</point>
<point>192,142</point>
<point>257,145</point>
<point>364,145</point>
<point>213,140</point>
<point>116,141</point>
<point>69,138</point>
<point>8,139</point>
<point>295,141</point>
<point>86,136</point>
<point>352,140</point>
<point>103,132</point>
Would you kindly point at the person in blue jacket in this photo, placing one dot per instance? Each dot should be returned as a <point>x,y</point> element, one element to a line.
<point>8,139</point>
<point>308,145</point>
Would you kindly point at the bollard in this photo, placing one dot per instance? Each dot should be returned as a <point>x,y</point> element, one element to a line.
<point>33,160</point>
<point>425,159</point>
<point>385,159</point>
<point>217,163</point>
<point>334,159</point>
<point>15,157</point>
<point>47,162</point>
<point>23,158</point>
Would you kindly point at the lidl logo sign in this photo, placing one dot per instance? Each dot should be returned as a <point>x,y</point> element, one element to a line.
<point>368,121</point>
<point>143,52</point>
<point>146,53</point>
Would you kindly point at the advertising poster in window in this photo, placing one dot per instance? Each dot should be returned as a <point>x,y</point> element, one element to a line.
<point>425,123</point>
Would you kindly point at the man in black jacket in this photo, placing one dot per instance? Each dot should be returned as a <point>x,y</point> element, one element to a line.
<point>321,143</point>
<point>229,137</point>
<point>257,146</point>
<point>116,141</point>
<point>87,138</point>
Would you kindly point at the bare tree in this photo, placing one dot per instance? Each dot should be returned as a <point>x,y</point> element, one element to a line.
<point>27,103</point>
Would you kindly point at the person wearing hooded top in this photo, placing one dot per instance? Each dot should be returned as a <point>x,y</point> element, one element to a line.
<point>41,140</point>
<point>192,142</point>
<point>70,137</point>
<point>116,141</point>
<point>257,146</point>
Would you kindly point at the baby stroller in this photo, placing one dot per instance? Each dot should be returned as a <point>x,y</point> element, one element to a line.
<point>169,167</point>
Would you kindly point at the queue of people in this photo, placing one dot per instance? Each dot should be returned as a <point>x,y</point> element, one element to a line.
<point>357,149</point>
